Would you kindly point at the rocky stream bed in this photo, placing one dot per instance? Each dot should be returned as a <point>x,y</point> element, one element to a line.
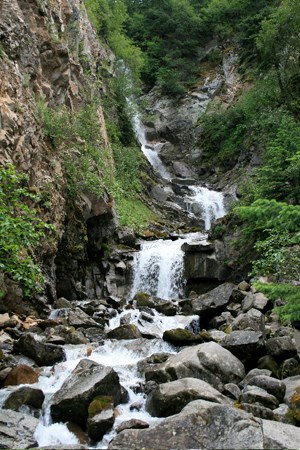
<point>215,370</point>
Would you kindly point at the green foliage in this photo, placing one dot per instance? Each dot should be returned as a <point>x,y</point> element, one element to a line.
<point>88,162</point>
<point>20,230</point>
<point>286,292</point>
<point>108,18</point>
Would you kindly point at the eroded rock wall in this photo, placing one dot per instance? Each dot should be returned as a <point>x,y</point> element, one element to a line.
<point>49,53</point>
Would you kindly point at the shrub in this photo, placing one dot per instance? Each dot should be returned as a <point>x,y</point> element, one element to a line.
<point>21,230</point>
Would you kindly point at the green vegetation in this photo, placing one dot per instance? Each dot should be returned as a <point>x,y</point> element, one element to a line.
<point>287,293</point>
<point>100,403</point>
<point>21,230</point>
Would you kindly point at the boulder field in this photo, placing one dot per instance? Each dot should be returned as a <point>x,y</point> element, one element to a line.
<point>232,379</point>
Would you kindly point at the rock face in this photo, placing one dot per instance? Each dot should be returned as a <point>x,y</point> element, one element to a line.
<point>17,430</point>
<point>209,362</point>
<point>87,381</point>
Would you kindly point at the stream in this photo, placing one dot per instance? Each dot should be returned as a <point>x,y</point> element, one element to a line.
<point>158,271</point>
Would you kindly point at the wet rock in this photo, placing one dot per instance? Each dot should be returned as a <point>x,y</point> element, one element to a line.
<point>280,435</point>
<point>253,394</point>
<point>165,307</point>
<point>151,361</point>
<point>281,348</point>
<point>69,335</point>
<point>238,296</point>
<point>200,424</point>
<point>209,362</point>
<point>99,424</point>
<point>76,318</point>
<point>271,385</point>
<point>132,423</point>
<point>127,331</point>
<point>248,346</point>
<point>251,320</point>
<point>212,303</point>
<point>224,319</point>
<point>180,337</point>
<point>17,430</point>
<point>169,398</point>
<point>24,396</point>
<point>21,374</point>
<point>42,354</point>
<point>87,381</point>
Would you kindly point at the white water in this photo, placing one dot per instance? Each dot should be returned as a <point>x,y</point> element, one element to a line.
<point>123,356</point>
<point>150,154</point>
<point>207,204</point>
<point>158,267</point>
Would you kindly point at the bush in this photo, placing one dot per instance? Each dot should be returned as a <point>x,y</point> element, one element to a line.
<point>286,292</point>
<point>21,230</point>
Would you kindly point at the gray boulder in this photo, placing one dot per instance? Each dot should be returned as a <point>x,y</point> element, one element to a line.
<point>132,423</point>
<point>209,362</point>
<point>126,331</point>
<point>169,398</point>
<point>200,425</point>
<point>254,394</point>
<point>246,345</point>
<point>17,430</point>
<point>99,424</point>
<point>271,385</point>
<point>280,435</point>
<point>24,396</point>
<point>87,381</point>
<point>212,303</point>
<point>251,320</point>
<point>281,348</point>
<point>43,354</point>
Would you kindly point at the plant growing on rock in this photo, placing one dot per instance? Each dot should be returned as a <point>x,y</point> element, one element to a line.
<point>21,230</point>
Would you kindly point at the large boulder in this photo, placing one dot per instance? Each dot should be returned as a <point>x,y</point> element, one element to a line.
<point>17,430</point>
<point>21,374</point>
<point>169,398</point>
<point>43,354</point>
<point>209,362</point>
<point>280,435</point>
<point>247,345</point>
<point>25,395</point>
<point>126,331</point>
<point>200,424</point>
<point>281,348</point>
<point>87,381</point>
<point>212,303</point>
<point>271,385</point>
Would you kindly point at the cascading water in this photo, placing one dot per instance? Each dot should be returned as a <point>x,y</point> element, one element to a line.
<point>207,204</point>
<point>158,267</point>
<point>150,154</point>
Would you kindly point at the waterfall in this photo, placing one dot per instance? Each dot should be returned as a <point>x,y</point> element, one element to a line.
<point>206,204</point>
<point>158,267</point>
<point>150,154</point>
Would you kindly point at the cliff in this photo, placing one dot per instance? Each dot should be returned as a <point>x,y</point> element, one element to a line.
<point>50,57</point>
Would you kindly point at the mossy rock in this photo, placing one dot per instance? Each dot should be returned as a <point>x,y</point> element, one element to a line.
<point>99,404</point>
<point>295,405</point>
<point>143,299</point>
<point>180,336</point>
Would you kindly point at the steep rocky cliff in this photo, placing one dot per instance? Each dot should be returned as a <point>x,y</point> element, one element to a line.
<point>50,55</point>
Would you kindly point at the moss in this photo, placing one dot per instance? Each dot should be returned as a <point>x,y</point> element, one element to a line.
<point>143,299</point>
<point>100,403</point>
<point>294,409</point>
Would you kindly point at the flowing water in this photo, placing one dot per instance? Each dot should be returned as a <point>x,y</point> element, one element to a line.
<point>158,270</point>
<point>158,267</point>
